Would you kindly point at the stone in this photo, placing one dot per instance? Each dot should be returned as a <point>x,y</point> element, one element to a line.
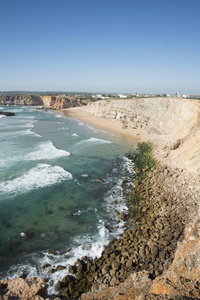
<point>58,286</point>
<point>20,288</point>
<point>46,266</point>
<point>60,268</point>
<point>7,113</point>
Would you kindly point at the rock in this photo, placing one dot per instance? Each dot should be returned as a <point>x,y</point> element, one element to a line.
<point>46,266</point>
<point>58,286</point>
<point>68,250</point>
<point>7,113</point>
<point>129,264</point>
<point>182,277</point>
<point>72,269</point>
<point>31,288</point>
<point>122,216</point>
<point>51,271</point>
<point>136,182</point>
<point>114,281</point>
<point>29,235</point>
<point>60,268</point>
<point>67,279</point>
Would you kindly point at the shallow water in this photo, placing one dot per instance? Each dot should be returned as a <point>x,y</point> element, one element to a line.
<point>59,186</point>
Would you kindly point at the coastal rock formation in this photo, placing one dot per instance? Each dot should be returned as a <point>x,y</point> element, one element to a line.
<point>50,102</point>
<point>7,113</point>
<point>25,289</point>
<point>171,124</point>
<point>61,102</point>
<point>183,276</point>
<point>21,100</point>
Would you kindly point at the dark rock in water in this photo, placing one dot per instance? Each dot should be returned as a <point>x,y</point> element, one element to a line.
<point>46,266</point>
<point>60,268</point>
<point>23,275</point>
<point>68,250</point>
<point>101,180</point>
<point>51,252</point>
<point>49,212</point>
<point>7,113</point>
<point>29,235</point>
<point>61,208</point>
<point>51,271</point>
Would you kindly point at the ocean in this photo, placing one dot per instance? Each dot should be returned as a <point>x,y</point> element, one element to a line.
<point>60,191</point>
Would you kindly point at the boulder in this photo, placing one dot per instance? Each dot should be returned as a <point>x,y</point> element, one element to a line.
<point>7,113</point>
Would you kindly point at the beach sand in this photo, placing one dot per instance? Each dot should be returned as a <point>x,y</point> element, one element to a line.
<point>113,126</point>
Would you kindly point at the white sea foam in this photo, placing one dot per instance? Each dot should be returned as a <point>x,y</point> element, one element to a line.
<point>40,176</point>
<point>92,141</point>
<point>15,134</point>
<point>2,116</point>
<point>91,246</point>
<point>27,117</point>
<point>74,134</point>
<point>59,115</point>
<point>14,109</point>
<point>46,150</point>
<point>15,126</point>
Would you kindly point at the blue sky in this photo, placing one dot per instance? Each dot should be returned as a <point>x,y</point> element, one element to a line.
<point>146,46</point>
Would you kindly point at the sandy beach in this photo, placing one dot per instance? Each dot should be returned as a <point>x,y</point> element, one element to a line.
<point>113,126</point>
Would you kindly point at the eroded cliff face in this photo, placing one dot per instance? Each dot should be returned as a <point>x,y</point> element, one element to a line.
<point>21,100</point>
<point>57,102</point>
<point>50,102</point>
<point>172,124</point>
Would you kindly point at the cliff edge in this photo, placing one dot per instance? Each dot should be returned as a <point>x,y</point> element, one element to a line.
<point>171,124</point>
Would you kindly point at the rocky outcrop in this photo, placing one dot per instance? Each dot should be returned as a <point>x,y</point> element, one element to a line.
<point>24,289</point>
<point>7,113</point>
<point>183,276</point>
<point>171,124</point>
<point>50,102</point>
<point>61,102</point>
<point>21,100</point>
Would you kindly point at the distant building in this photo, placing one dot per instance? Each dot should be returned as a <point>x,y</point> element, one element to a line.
<point>122,96</point>
<point>100,96</point>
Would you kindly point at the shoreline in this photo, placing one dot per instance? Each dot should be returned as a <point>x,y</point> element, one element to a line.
<point>112,126</point>
<point>178,203</point>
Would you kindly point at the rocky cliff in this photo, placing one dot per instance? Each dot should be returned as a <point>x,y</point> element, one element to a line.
<point>21,100</point>
<point>58,102</point>
<point>172,124</point>
<point>50,102</point>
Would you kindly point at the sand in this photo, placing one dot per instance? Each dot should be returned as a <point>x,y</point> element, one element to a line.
<point>113,126</point>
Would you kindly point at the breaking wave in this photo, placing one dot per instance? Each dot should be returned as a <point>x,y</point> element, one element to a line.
<point>38,177</point>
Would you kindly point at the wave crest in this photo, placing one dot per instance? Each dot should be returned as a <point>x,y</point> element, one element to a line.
<point>42,175</point>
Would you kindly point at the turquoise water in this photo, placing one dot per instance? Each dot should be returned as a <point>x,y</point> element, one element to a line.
<point>59,189</point>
